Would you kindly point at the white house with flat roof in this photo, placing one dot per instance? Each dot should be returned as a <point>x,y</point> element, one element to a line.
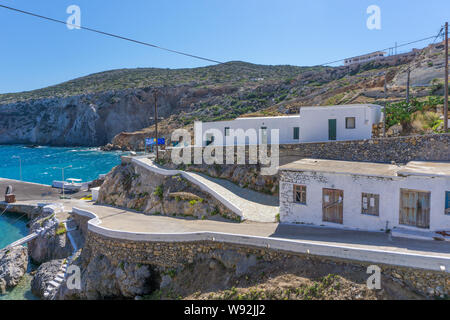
<point>312,124</point>
<point>366,196</point>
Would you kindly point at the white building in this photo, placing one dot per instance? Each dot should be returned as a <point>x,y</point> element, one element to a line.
<point>312,124</point>
<point>366,196</point>
<point>365,58</point>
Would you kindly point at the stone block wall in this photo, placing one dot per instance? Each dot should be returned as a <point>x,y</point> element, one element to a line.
<point>435,147</point>
<point>176,255</point>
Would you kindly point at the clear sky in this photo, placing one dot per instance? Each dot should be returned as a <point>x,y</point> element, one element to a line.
<point>35,53</point>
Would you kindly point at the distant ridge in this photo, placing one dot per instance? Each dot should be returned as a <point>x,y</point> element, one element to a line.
<point>121,79</point>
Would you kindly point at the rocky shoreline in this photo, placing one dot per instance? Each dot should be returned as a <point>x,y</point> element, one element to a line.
<point>13,266</point>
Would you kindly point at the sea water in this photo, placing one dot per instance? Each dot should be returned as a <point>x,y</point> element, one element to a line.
<point>13,226</point>
<point>42,165</point>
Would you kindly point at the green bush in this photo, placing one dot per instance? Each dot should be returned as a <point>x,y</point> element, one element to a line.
<point>159,192</point>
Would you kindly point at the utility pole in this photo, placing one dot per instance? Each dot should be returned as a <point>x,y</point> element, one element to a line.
<point>407,85</point>
<point>446,80</point>
<point>63,181</point>
<point>385,103</point>
<point>155,97</point>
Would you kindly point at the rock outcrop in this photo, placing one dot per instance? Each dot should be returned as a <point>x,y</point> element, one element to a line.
<point>52,243</point>
<point>13,265</point>
<point>130,186</point>
<point>44,274</point>
<point>102,278</point>
<point>84,120</point>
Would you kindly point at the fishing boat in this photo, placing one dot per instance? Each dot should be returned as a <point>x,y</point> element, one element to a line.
<point>72,184</point>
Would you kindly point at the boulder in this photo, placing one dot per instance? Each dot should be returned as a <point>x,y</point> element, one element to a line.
<point>51,244</point>
<point>44,274</point>
<point>13,265</point>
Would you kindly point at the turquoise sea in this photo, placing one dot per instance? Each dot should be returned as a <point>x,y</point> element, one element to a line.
<point>38,166</point>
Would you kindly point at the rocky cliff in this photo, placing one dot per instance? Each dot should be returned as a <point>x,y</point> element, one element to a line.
<point>52,243</point>
<point>13,265</point>
<point>117,106</point>
<point>84,120</point>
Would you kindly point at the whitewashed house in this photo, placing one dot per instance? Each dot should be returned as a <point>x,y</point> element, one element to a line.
<point>366,196</point>
<point>312,124</point>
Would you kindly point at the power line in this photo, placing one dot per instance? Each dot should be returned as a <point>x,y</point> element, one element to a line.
<point>401,45</point>
<point>110,34</point>
<point>176,51</point>
<point>437,36</point>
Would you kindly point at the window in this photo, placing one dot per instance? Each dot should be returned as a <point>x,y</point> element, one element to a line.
<point>227,131</point>
<point>299,194</point>
<point>447,202</point>
<point>209,138</point>
<point>296,133</point>
<point>370,204</point>
<point>350,123</point>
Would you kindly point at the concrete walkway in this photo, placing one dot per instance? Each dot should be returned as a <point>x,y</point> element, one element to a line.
<point>130,221</point>
<point>32,191</point>
<point>331,242</point>
<point>252,205</point>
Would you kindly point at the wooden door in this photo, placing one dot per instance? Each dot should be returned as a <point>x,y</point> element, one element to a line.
<point>333,205</point>
<point>415,208</point>
<point>331,129</point>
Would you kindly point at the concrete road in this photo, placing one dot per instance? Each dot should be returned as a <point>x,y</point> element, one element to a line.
<point>30,191</point>
<point>131,221</point>
<point>127,220</point>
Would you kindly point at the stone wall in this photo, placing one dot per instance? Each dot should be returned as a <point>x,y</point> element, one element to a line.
<point>435,147</point>
<point>382,150</point>
<point>177,255</point>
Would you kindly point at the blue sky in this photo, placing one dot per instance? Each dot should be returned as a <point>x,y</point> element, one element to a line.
<point>36,53</point>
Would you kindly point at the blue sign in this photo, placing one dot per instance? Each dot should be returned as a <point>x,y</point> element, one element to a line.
<point>152,141</point>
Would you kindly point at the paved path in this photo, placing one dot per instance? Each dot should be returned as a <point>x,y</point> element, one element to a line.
<point>254,206</point>
<point>33,191</point>
<point>130,221</point>
<point>127,220</point>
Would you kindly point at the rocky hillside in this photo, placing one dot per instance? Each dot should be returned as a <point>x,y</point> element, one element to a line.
<point>117,106</point>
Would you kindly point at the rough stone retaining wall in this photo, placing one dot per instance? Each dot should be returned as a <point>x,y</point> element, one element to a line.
<point>435,147</point>
<point>410,260</point>
<point>383,150</point>
<point>173,255</point>
<point>31,210</point>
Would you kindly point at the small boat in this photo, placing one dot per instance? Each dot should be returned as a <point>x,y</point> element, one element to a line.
<point>32,146</point>
<point>72,184</point>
